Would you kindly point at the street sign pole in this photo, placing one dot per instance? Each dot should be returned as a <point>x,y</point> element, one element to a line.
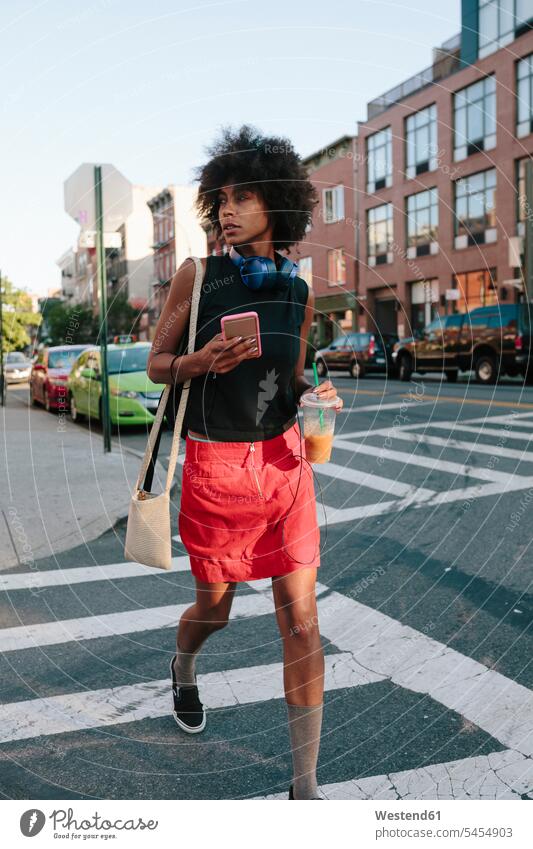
<point>102,283</point>
<point>2,376</point>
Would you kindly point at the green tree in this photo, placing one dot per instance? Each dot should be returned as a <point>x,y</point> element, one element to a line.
<point>69,325</point>
<point>17,317</point>
<point>121,317</point>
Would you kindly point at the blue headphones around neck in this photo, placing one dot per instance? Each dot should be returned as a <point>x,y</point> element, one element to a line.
<point>260,272</point>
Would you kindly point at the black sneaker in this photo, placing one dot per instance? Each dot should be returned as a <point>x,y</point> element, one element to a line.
<point>188,710</point>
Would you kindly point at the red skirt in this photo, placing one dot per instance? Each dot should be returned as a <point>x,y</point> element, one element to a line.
<point>247,514</point>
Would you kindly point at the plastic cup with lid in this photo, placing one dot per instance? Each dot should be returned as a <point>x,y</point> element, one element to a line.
<point>319,426</point>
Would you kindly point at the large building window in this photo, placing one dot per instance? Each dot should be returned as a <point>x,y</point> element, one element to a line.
<point>475,209</point>
<point>336,267</point>
<point>476,289</point>
<point>500,21</point>
<point>421,141</point>
<point>524,96</point>
<point>333,204</point>
<point>379,230</point>
<point>475,118</point>
<point>305,270</point>
<point>379,160</point>
<point>422,223</point>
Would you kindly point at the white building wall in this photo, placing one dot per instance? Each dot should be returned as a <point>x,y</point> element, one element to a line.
<point>139,239</point>
<point>190,235</point>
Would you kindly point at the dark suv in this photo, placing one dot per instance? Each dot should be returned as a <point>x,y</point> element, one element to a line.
<point>491,341</point>
<point>357,353</point>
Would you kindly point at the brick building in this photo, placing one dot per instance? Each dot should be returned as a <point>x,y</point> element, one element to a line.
<point>441,182</point>
<point>327,255</point>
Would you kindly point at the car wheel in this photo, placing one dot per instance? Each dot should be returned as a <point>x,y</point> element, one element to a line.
<point>321,368</point>
<point>528,377</point>
<point>75,415</point>
<point>486,369</point>
<point>452,376</point>
<point>404,368</point>
<point>356,370</point>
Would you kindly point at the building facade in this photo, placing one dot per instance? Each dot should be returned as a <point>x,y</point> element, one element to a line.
<point>177,234</point>
<point>327,255</point>
<point>440,186</point>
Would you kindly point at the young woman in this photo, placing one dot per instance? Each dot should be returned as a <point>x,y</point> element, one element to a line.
<point>248,507</point>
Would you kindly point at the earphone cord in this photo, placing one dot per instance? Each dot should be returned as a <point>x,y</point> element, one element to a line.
<point>283,520</point>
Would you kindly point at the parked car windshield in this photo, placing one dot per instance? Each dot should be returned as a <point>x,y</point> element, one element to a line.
<point>15,357</point>
<point>358,341</point>
<point>63,359</point>
<point>127,359</point>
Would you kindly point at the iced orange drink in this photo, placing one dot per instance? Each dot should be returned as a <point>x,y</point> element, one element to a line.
<point>319,426</point>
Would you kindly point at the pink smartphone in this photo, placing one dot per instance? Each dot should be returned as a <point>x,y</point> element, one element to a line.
<point>243,324</point>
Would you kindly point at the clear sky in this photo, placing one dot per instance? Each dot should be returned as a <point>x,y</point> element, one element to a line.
<point>146,85</point>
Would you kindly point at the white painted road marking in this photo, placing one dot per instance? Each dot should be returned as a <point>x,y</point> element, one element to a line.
<point>433,463</point>
<point>153,699</point>
<point>110,624</point>
<point>414,661</point>
<point>461,445</point>
<point>82,574</point>
<point>499,775</point>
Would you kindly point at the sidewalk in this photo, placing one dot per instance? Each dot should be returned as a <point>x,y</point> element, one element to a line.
<point>57,487</point>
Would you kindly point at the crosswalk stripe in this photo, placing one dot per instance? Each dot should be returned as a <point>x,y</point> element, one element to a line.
<point>433,463</point>
<point>110,624</point>
<point>461,445</point>
<point>82,574</point>
<point>387,486</point>
<point>499,775</point>
<point>397,405</point>
<point>337,515</point>
<point>153,699</point>
<point>451,423</point>
<point>415,661</point>
<point>523,435</point>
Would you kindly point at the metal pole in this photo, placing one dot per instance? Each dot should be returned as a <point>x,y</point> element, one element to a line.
<point>102,282</point>
<point>2,376</point>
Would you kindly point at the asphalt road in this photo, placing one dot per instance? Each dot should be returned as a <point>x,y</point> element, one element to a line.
<point>425,610</point>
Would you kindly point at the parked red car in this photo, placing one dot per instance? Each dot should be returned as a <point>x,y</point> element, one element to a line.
<point>48,380</point>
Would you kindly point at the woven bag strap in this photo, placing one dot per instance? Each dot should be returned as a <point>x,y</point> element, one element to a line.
<point>156,425</point>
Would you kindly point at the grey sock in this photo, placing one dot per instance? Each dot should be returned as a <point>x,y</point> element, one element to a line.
<point>305,723</point>
<point>184,666</point>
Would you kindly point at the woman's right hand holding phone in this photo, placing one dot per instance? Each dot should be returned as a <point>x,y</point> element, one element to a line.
<point>221,356</point>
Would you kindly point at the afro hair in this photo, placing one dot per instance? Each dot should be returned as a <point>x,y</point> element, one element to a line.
<point>269,166</point>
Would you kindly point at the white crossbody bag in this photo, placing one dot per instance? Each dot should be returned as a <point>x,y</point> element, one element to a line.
<point>148,533</point>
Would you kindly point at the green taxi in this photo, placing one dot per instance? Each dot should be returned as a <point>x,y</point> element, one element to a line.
<point>133,397</point>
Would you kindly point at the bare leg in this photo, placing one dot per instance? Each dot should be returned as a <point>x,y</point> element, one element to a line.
<point>209,613</point>
<point>303,674</point>
<point>303,656</point>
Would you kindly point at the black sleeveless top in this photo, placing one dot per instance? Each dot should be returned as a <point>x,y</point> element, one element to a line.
<point>255,400</point>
